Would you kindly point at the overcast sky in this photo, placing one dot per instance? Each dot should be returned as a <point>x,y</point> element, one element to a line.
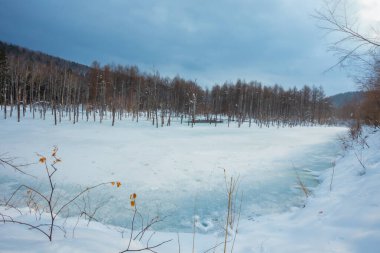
<point>211,41</point>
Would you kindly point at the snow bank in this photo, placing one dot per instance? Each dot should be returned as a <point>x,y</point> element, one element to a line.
<point>345,219</point>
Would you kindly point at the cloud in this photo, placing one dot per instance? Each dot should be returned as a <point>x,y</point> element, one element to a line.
<point>369,11</point>
<point>274,41</point>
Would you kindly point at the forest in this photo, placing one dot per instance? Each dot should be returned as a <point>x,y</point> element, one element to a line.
<point>41,83</point>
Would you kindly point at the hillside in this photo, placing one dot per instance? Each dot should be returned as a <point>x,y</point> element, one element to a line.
<point>342,99</point>
<point>42,58</point>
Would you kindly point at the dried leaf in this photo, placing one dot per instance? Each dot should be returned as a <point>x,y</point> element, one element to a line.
<point>132,197</point>
<point>42,159</point>
<point>55,149</point>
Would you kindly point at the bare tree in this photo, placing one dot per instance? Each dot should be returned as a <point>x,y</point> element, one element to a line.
<point>351,44</point>
<point>358,49</point>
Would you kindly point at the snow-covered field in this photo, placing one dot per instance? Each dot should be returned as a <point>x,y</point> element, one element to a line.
<point>177,172</point>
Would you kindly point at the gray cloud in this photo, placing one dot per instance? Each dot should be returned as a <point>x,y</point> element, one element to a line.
<point>274,41</point>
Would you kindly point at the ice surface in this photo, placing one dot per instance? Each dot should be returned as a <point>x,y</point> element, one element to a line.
<point>176,171</point>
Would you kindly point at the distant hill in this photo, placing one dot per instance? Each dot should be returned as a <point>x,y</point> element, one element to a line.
<point>35,56</point>
<point>342,99</point>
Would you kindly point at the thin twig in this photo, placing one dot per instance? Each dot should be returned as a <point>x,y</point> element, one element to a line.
<point>237,225</point>
<point>26,224</point>
<point>78,195</point>
<point>214,247</point>
<point>301,184</point>
<point>148,247</point>
<point>332,175</point>
<point>133,222</point>
<point>9,162</point>
<point>361,163</point>
<point>179,244</point>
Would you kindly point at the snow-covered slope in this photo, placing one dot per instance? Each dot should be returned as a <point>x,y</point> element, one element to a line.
<point>345,219</point>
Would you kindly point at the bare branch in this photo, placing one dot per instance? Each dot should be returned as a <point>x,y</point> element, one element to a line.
<point>78,195</point>
<point>9,162</point>
<point>149,225</point>
<point>352,44</point>
<point>361,163</point>
<point>133,222</point>
<point>214,247</point>
<point>29,188</point>
<point>150,248</point>
<point>26,224</point>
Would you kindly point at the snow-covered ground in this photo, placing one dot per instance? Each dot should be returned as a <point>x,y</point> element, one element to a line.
<point>178,171</point>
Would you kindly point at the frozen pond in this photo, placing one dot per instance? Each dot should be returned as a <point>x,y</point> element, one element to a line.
<point>176,171</point>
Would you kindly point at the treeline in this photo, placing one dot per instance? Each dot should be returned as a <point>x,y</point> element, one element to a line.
<point>369,109</point>
<point>41,83</point>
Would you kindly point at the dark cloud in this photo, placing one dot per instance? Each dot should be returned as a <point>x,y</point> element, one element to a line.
<point>273,41</point>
